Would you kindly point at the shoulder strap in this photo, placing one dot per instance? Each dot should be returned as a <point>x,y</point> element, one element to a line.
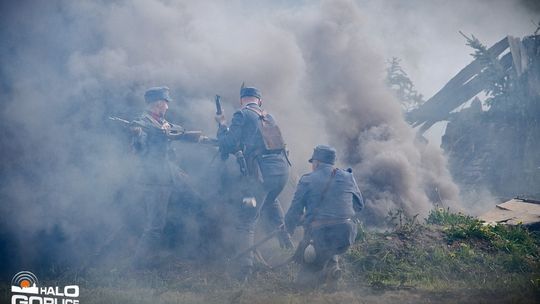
<point>260,113</point>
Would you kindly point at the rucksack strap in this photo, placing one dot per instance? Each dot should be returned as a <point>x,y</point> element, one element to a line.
<point>261,113</point>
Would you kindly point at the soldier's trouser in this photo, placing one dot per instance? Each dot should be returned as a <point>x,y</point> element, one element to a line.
<point>329,242</point>
<point>267,206</point>
<point>156,200</point>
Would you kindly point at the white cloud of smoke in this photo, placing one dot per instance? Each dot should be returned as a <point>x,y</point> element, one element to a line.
<point>66,66</point>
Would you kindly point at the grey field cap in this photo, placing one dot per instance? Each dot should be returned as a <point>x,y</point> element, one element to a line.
<point>250,91</point>
<point>325,154</point>
<point>156,94</point>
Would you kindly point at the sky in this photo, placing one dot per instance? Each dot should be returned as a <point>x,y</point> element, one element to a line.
<point>425,34</point>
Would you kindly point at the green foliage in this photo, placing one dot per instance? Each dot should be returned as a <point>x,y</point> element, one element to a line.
<point>498,80</point>
<point>451,249</point>
<point>361,233</point>
<point>441,216</point>
<point>512,239</point>
<point>402,86</point>
<point>403,225</point>
<point>507,91</point>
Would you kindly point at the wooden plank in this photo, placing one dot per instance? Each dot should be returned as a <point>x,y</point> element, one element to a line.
<point>465,93</point>
<point>515,50</point>
<point>438,107</point>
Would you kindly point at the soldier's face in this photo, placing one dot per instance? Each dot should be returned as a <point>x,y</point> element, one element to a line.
<point>160,107</point>
<point>314,164</point>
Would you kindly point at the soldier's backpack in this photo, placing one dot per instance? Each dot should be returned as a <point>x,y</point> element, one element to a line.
<point>271,134</point>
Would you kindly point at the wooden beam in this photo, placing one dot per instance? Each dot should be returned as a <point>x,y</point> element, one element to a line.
<point>439,106</point>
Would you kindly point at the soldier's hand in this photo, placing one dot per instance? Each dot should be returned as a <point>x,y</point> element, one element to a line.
<point>220,119</point>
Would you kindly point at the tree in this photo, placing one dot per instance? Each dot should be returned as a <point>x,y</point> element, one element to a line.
<point>402,86</point>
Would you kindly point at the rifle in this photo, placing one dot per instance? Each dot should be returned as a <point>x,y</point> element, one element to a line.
<point>174,133</point>
<point>120,120</point>
<point>258,244</point>
<point>298,255</point>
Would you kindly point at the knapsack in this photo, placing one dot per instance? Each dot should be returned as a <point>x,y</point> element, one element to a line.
<point>271,134</point>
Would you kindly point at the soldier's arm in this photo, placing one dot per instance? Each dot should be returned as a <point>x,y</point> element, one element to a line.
<point>229,138</point>
<point>138,137</point>
<point>296,210</point>
<point>358,200</point>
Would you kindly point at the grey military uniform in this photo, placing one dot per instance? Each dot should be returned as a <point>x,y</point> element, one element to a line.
<point>159,177</point>
<point>268,172</point>
<point>328,223</point>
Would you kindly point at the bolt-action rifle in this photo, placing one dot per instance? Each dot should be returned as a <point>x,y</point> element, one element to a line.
<point>173,133</point>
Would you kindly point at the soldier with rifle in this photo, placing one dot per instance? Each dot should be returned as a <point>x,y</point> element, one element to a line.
<point>325,202</point>
<point>158,175</point>
<point>254,135</point>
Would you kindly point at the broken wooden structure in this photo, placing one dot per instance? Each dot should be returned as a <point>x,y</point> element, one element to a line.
<point>512,53</point>
<point>516,211</point>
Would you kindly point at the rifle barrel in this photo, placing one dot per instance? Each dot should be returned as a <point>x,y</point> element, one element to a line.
<point>259,243</point>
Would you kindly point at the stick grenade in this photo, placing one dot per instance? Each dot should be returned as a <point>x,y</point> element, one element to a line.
<point>219,111</point>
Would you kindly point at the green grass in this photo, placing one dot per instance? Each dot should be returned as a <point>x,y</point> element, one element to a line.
<point>449,251</point>
<point>448,258</point>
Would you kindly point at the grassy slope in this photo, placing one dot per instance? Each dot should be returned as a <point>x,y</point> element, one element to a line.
<point>451,258</point>
<point>451,252</point>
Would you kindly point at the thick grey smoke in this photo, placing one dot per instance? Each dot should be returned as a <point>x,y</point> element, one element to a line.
<point>66,66</point>
<point>363,119</point>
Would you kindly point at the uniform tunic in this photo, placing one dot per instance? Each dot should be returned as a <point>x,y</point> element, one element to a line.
<point>328,222</point>
<point>159,177</point>
<point>268,171</point>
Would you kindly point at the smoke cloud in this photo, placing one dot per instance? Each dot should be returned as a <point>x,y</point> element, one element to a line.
<point>362,118</point>
<point>66,66</point>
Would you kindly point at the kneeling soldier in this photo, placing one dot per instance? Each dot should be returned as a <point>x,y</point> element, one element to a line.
<point>327,199</point>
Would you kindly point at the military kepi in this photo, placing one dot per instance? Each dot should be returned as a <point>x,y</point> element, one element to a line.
<point>325,154</point>
<point>156,94</point>
<point>250,91</point>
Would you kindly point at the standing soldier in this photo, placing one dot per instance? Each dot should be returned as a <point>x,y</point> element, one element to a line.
<point>158,176</point>
<point>330,198</point>
<point>256,134</point>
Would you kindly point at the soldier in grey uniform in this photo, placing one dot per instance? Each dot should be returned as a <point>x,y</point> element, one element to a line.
<point>158,175</point>
<point>325,202</point>
<point>256,134</point>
